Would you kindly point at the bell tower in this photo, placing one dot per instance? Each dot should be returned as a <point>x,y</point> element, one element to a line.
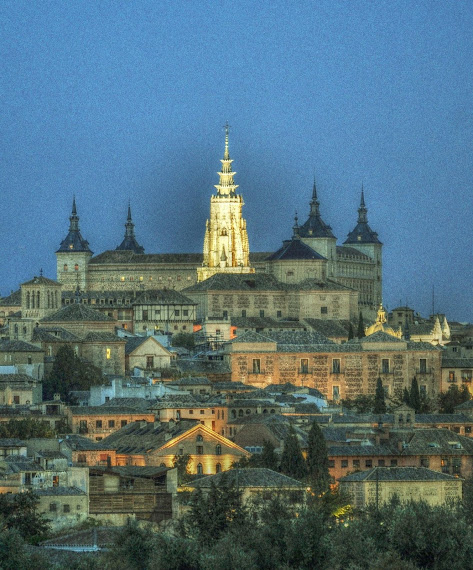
<point>226,247</point>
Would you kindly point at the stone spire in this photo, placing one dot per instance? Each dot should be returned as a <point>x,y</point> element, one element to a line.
<point>129,242</point>
<point>226,186</point>
<point>362,233</point>
<point>226,248</point>
<point>74,241</point>
<point>315,227</point>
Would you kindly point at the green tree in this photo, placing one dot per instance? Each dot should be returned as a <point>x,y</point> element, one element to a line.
<point>414,395</point>
<point>20,512</point>
<point>268,457</point>
<point>351,332</point>
<point>185,340</point>
<point>181,462</point>
<point>447,401</point>
<point>317,460</point>
<point>361,327</point>
<point>379,398</point>
<point>69,373</point>
<point>292,461</point>
<point>406,397</point>
<point>26,428</point>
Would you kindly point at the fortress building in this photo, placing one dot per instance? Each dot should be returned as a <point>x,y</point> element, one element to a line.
<point>310,260</point>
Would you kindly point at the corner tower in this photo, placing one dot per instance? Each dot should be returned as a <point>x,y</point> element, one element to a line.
<point>318,235</point>
<point>226,247</point>
<point>73,256</point>
<point>365,240</point>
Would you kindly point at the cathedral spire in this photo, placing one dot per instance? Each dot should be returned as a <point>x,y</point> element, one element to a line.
<point>129,242</point>
<point>362,210</point>
<point>315,227</point>
<point>226,186</point>
<point>74,241</point>
<point>314,203</point>
<point>362,233</point>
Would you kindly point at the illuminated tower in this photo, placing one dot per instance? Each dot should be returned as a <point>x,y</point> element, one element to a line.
<point>73,256</point>
<point>226,248</point>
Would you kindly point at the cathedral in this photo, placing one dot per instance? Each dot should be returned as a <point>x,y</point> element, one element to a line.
<point>309,260</point>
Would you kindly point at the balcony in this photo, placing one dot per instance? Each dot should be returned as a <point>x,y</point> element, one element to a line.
<point>256,371</point>
<point>305,370</point>
<point>424,371</point>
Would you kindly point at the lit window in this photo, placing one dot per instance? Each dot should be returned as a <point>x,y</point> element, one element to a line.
<point>122,278</point>
<point>108,353</point>
<point>76,267</point>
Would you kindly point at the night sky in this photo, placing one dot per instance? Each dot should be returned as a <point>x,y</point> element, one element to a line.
<point>117,101</point>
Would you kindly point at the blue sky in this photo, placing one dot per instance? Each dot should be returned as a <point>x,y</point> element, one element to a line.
<point>117,101</point>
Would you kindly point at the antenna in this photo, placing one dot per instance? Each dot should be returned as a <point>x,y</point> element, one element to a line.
<point>433,299</point>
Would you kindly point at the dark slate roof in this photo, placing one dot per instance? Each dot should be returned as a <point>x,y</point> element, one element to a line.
<point>80,443</point>
<point>264,323</point>
<point>12,442</point>
<point>315,227</point>
<point>77,312</point>
<point>103,337</point>
<point>129,257</point>
<point>434,441</point>
<point>295,249</point>
<point>328,328</point>
<point>361,450</point>
<point>53,334</point>
<point>238,282</point>
<point>236,386</point>
<point>14,299</point>
<point>46,454</point>
<point>310,284</point>
<point>18,346</point>
<point>203,367</point>
<point>133,342</point>
<point>17,379</point>
<point>449,362</point>
<point>362,233</point>
<point>261,477</point>
<point>398,474</point>
<point>18,463</point>
<point>106,409</point>
<point>42,281</point>
<point>282,338</point>
<point>132,470</point>
<point>74,241</point>
<point>129,241</point>
<point>441,419</point>
<point>163,297</point>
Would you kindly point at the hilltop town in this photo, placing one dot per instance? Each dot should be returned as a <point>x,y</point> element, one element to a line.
<point>132,383</point>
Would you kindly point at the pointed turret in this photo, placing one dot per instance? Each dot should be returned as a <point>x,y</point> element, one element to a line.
<point>73,255</point>
<point>74,241</point>
<point>226,186</point>
<point>129,242</point>
<point>362,233</point>
<point>315,227</point>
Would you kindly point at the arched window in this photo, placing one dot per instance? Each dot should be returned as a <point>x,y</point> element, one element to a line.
<point>218,449</point>
<point>200,471</point>
<point>234,414</point>
<point>273,411</point>
<point>248,412</point>
<point>218,468</point>
<point>76,267</point>
<point>265,411</point>
<point>199,438</point>
<point>240,413</point>
<point>28,300</point>
<point>65,267</point>
<point>37,299</point>
<point>32,299</point>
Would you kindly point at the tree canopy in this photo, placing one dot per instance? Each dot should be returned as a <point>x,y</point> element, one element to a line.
<point>317,460</point>
<point>292,461</point>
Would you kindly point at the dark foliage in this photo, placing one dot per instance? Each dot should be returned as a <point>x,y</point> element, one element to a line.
<point>292,461</point>
<point>379,406</point>
<point>317,460</point>
<point>361,327</point>
<point>26,428</point>
<point>447,401</point>
<point>19,512</point>
<point>185,340</point>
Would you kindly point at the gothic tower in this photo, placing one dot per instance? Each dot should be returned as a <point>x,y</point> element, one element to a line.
<point>73,256</point>
<point>365,240</point>
<point>318,235</point>
<point>226,248</point>
<point>129,242</point>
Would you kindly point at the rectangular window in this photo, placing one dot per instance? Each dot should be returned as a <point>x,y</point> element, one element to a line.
<point>108,353</point>
<point>261,313</point>
<point>111,423</point>
<point>385,365</point>
<point>150,362</point>
<point>424,462</point>
<point>185,312</point>
<point>451,376</point>
<point>336,366</point>
<point>278,314</point>
<point>200,449</point>
<point>344,463</point>
<point>55,480</point>
<point>225,314</point>
<point>145,314</point>
<point>123,423</point>
<point>256,365</point>
<point>423,365</point>
<point>67,508</point>
<point>335,393</point>
<point>177,312</point>
<point>243,312</point>
<point>304,365</point>
<point>16,399</point>
<point>98,423</point>
<point>324,310</point>
<point>52,507</point>
<point>331,463</point>
<point>368,463</point>
<point>393,462</point>
<point>356,464</point>
<point>466,375</point>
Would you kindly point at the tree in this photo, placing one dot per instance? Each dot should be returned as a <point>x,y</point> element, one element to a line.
<point>351,332</point>
<point>68,373</point>
<point>26,428</point>
<point>447,401</point>
<point>268,457</point>
<point>181,462</point>
<point>379,399</point>
<point>186,340</point>
<point>292,462</point>
<point>317,460</point>
<point>361,327</point>
<point>414,395</point>
<point>406,397</point>
<point>19,512</point>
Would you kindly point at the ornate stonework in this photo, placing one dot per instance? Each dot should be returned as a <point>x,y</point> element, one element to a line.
<point>226,247</point>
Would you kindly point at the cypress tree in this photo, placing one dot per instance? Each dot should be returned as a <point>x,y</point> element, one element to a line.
<point>379,401</point>
<point>268,458</point>
<point>351,332</point>
<point>406,397</point>
<point>361,327</point>
<point>317,460</point>
<point>292,461</point>
<point>414,395</point>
